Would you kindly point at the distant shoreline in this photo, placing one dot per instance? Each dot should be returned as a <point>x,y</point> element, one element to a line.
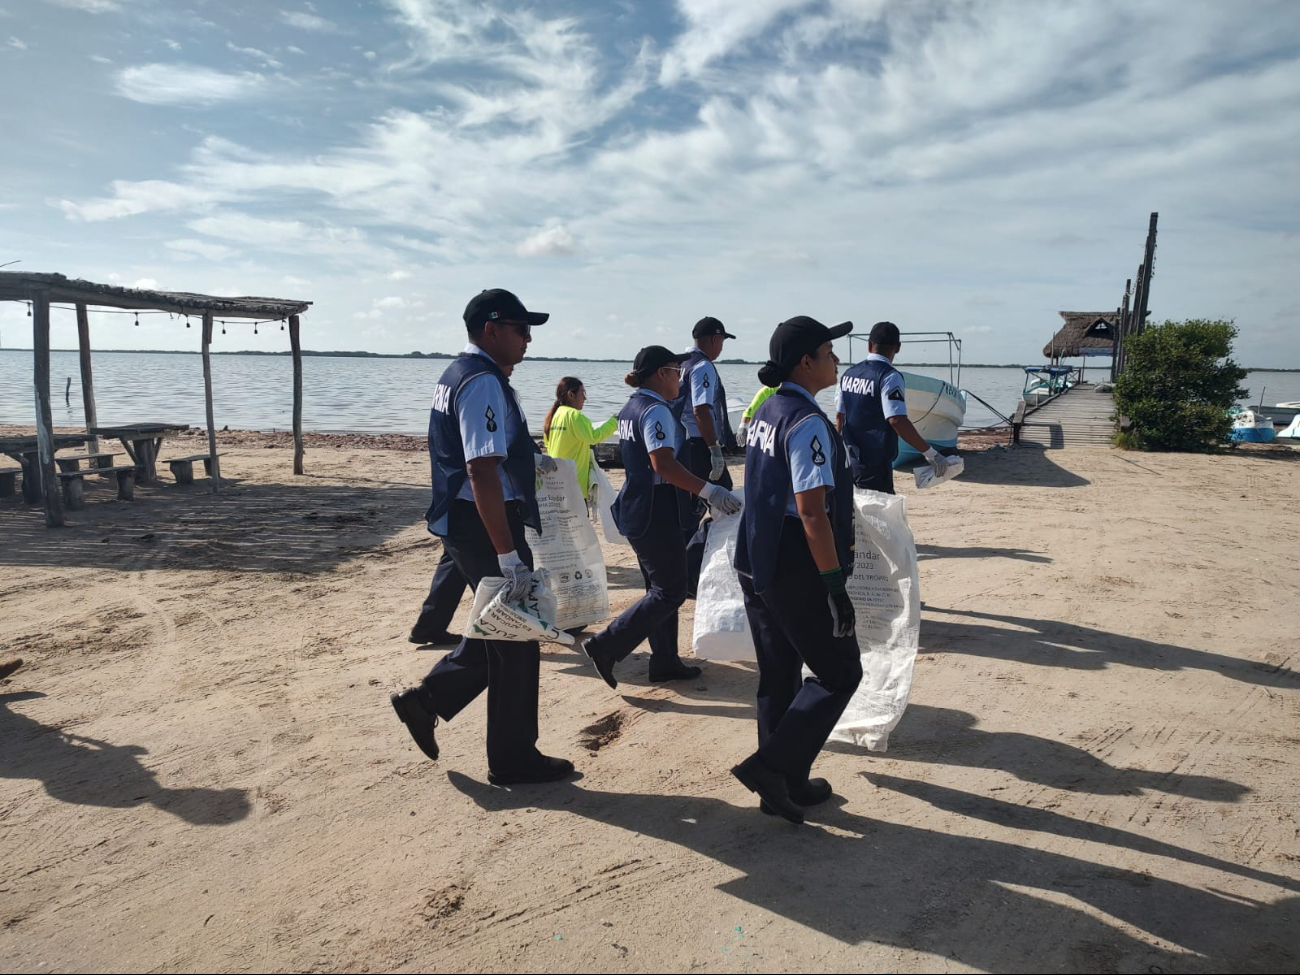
<point>534,358</point>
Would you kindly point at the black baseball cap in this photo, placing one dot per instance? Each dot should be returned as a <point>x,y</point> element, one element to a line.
<point>708,325</point>
<point>654,357</point>
<point>801,336</point>
<point>884,333</point>
<point>498,304</point>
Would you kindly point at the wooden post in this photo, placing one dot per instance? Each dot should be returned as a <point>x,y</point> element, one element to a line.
<point>87,379</point>
<point>296,344</point>
<point>1117,367</point>
<point>207,397</point>
<point>44,417</point>
<point>1148,263</point>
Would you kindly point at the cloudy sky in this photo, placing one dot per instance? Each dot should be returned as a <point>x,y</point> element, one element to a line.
<point>631,166</point>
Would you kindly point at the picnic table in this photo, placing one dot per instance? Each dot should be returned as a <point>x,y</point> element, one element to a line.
<point>142,442</point>
<point>26,450</point>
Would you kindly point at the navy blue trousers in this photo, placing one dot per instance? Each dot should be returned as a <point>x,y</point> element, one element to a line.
<point>661,551</point>
<point>509,672</point>
<point>445,593</point>
<point>791,624</point>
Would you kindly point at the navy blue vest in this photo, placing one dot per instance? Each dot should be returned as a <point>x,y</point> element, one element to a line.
<point>447,453</point>
<point>635,502</point>
<point>873,444</point>
<point>721,424</point>
<point>767,488</point>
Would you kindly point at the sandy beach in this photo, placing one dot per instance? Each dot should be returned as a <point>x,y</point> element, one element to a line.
<point>1097,772</point>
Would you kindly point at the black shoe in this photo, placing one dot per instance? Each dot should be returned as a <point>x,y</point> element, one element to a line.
<point>419,722</point>
<point>546,769</point>
<point>674,671</point>
<point>810,793</point>
<point>430,639</point>
<point>604,665</point>
<point>770,786</point>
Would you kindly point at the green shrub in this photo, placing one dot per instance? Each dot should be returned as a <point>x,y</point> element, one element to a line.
<point>1178,384</point>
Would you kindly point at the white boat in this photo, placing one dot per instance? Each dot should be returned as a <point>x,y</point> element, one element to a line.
<point>1251,427</point>
<point>937,410</point>
<point>1292,432</point>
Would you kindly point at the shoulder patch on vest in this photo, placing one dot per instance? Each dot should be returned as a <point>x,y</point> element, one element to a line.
<point>491,420</point>
<point>895,394</point>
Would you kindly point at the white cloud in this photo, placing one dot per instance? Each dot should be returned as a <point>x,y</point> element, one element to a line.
<point>186,84</point>
<point>100,59</point>
<point>306,21</point>
<point>202,248</point>
<point>554,240</point>
<point>295,50</point>
<point>390,303</point>
<point>370,55</point>
<point>254,53</point>
<point>18,43</point>
<point>398,275</point>
<point>90,6</point>
<point>145,284</point>
<point>174,45</point>
<point>717,27</point>
<point>130,199</point>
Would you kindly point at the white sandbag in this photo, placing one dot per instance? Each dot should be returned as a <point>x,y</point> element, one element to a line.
<point>925,476</point>
<point>532,618</point>
<point>568,548</point>
<point>886,597</point>
<point>721,627</point>
<point>602,495</point>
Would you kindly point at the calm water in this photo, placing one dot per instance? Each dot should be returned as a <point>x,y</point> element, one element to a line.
<point>389,395</point>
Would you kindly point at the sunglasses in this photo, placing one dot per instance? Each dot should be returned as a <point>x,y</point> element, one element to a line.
<point>525,329</point>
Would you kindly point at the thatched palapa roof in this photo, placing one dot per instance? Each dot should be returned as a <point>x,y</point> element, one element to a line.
<point>20,286</point>
<point>1093,331</point>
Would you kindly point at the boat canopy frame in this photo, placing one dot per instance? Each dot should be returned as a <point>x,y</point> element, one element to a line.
<point>924,338</point>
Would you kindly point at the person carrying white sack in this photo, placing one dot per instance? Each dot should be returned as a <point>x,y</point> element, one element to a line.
<point>483,466</point>
<point>871,413</point>
<point>650,510</point>
<point>793,554</point>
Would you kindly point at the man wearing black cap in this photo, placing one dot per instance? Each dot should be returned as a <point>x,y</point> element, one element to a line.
<point>483,464</point>
<point>702,405</point>
<point>871,412</point>
<point>793,552</point>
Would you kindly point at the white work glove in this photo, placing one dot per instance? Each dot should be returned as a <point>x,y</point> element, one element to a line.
<point>937,460</point>
<point>519,578</point>
<point>719,463</point>
<point>545,463</point>
<point>742,433</point>
<point>720,499</point>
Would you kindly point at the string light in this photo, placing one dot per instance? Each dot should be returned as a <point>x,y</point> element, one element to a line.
<point>254,328</point>
<point>223,328</point>
<point>29,309</point>
<point>137,319</point>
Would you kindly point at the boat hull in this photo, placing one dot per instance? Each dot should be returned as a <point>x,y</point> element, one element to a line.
<point>1250,427</point>
<point>937,410</point>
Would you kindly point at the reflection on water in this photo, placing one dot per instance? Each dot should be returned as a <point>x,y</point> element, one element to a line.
<point>386,395</point>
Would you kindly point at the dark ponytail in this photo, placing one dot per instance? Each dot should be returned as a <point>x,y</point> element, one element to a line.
<point>566,387</point>
<point>772,374</point>
<point>633,380</point>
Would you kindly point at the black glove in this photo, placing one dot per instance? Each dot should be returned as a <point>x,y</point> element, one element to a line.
<point>842,615</point>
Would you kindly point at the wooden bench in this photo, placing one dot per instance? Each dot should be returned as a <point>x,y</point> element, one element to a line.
<point>73,463</point>
<point>183,467</point>
<point>8,480</point>
<point>74,491</point>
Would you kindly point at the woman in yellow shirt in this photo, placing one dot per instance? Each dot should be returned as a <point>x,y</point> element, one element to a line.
<point>566,431</point>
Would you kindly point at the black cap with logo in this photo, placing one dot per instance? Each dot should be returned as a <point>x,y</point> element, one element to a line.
<point>793,339</point>
<point>654,357</point>
<point>708,325</point>
<point>497,304</point>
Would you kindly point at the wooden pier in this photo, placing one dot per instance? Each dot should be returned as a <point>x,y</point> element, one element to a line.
<point>1081,416</point>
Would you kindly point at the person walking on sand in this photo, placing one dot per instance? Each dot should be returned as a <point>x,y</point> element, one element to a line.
<point>483,463</point>
<point>648,511</point>
<point>566,431</point>
<point>871,413</point>
<point>793,553</point>
<point>701,402</point>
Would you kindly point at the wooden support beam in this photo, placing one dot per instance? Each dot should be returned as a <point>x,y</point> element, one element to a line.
<point>44,417</point>
<point>87,378</point>
<point>207,399</point>
<point>296,344</point>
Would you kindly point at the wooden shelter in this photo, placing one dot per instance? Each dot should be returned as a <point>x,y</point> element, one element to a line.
<point>43,290</point>
<point>1085,333</point>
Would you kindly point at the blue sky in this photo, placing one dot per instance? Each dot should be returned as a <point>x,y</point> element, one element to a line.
<point>630,167</point>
